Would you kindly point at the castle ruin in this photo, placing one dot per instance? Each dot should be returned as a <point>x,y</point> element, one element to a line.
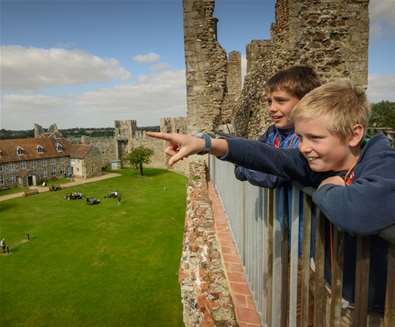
<point>331,36</point>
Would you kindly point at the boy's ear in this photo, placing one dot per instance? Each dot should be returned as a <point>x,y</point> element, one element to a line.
<point>358,132</point>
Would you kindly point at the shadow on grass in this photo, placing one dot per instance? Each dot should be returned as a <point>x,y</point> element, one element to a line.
<point>4,206</point>
<point>148,172</point>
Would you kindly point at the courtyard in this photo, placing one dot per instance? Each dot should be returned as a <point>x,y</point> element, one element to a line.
<point>112,264</point>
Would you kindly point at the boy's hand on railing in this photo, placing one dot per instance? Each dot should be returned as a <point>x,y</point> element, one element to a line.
<point>334,180</point>
<point>180,145</point>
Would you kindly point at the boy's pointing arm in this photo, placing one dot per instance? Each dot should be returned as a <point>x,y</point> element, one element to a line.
<point>247,153</point>
<point>182,145</point>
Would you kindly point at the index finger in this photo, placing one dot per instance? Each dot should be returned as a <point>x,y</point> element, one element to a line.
<point>159,135</point>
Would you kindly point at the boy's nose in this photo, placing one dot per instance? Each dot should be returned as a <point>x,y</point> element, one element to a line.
<point>273,107</point>
<point>304,147</point>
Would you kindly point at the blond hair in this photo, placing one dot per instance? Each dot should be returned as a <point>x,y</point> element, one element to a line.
<point>296,80</point>
<point>341,104</point>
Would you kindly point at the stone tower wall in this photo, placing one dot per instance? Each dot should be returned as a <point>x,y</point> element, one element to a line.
<point>250,112</point>
<point>331,36</point>
<point>233,82</point>
<point>205,66</point>
<point>105,145</point>
<point>174,125</point>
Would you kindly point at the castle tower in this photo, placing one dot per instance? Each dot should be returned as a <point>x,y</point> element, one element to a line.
<point>38,130</point>
<point>330,36</point>
<point>233,83</point>
<point>125,131</point>
<point>205,66</point>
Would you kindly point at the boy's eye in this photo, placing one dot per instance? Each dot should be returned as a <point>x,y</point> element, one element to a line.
<point>269,102</point>
<point>316,137</point>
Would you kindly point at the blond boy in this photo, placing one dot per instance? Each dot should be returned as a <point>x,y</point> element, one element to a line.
<point>355,179</point>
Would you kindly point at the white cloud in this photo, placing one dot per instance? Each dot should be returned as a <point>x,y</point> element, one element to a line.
<point>159,66</point>
<point>154,96</point>
<point>146,58</point>
<point>381,87</point>
<point>36,68</point>
<point>382,17</point>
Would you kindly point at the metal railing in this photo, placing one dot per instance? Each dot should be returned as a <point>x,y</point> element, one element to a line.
<point>288,285</point>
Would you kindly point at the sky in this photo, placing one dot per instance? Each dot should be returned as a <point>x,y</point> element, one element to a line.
<point>86,63</point>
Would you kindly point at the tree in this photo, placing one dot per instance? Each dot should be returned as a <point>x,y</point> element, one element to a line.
<point>139,156</point>
<point>383,115</point>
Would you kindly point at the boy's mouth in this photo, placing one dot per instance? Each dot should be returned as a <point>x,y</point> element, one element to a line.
<point>276,118</point>
<point>310,159</point>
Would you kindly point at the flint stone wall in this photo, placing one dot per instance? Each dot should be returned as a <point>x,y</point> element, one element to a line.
<point>204,289</point>
<point>106,146</point>
<point>331,36</point>
<point>206,67</point>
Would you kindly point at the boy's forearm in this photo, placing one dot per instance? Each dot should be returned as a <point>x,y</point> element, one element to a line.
<point>219,147</point>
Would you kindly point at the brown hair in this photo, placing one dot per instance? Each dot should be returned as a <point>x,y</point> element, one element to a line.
<point>296,80</point>
<point>339,102</point>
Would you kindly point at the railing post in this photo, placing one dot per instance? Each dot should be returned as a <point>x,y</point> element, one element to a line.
<point>242,223</point>
<point>264,207</point>
<point>337,278</point>
<point>285,260</point>
<point>389,314</point>
<point>280,265</point>
<point>293,273</point>
<point>360,313</point>
<point>305,282</point>
<point>319,281</point>
<point>269,245</point>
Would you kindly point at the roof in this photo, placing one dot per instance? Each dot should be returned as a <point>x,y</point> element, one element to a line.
<point>29,146</point>
<point>79,151</point>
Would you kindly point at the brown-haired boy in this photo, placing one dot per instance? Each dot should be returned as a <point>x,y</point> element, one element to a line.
<point>283,91</point>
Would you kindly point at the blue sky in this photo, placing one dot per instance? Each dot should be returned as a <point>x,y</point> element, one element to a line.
<point>87,63</point>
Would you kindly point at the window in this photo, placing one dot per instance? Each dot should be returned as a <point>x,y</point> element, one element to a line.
<point>53,173</point>
<point>1,180</point>
<point>40,149</point>
<point>23,164</point>
<point>19,150</point>
<point>13,179</point>
<point>1,168</point>
<point>59,147</point>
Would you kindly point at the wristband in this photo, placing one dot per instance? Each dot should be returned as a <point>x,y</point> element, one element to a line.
<point>207,142</point>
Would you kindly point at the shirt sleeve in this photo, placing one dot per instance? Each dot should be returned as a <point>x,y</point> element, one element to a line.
<point>365,207</point>
<point>258,178</point>
<point>255,155</point>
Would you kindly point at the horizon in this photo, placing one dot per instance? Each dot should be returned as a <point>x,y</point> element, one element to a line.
<point>89,63</point>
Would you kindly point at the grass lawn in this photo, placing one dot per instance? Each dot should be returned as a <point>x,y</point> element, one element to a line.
<point>58,181</point>
<point>102,265</point>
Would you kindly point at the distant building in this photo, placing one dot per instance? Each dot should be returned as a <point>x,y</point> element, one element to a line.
<point>31,161</point>
<point>85,160</point>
